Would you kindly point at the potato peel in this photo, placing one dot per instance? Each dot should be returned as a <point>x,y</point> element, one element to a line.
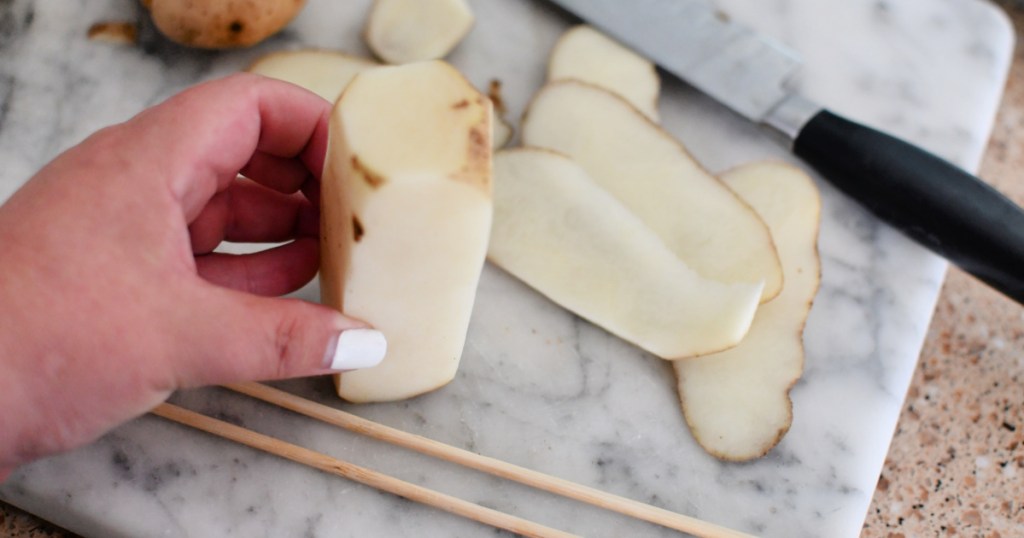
<point>563,235</point>
<point>585,54</point>
<point>651,173</point>
<point>503,130</point>
<point>323,72</point>
<point>115,32</point>
<point>737,402</point>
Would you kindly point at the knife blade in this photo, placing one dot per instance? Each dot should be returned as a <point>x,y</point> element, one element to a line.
<point>934,202</point>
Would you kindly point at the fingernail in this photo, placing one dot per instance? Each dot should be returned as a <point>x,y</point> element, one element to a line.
<point>355,349</point>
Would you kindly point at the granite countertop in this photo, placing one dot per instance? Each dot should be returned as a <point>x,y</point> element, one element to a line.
<point>953,465</point>
<point>956,463</point>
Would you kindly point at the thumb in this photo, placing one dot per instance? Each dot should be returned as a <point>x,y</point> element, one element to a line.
<point>242,337</point>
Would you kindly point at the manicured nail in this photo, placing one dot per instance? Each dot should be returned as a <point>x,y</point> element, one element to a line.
<point>355,349</point>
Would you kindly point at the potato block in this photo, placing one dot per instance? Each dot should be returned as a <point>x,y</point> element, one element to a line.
<point>406,214</point>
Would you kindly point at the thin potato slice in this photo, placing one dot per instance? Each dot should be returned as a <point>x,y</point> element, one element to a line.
<point>405,31</point>
<point>406,213</point>
<point>323,72</point>
<point>566,237</point>
<point>585,54</point>
<point>696,215</point>
<point>737,402</point>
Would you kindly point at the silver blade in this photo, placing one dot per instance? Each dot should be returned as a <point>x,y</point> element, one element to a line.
<point>692,40</point>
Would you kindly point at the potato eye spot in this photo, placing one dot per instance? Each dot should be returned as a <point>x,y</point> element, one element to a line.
<point>236,27</point>
<point>371,179</point>
<point>357,229</point>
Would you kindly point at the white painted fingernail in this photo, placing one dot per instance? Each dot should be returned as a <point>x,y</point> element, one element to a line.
<point>355,349</point>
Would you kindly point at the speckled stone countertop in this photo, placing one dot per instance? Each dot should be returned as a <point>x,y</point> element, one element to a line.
<point>956,464</point>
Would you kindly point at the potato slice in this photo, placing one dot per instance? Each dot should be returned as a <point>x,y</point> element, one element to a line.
<point>556,230</point>
<point>323,72</point>
<point>405,31</point>
<point>737,402</point>
<point>583,53</point>
<point>697,216</point>
<point>406,214</point>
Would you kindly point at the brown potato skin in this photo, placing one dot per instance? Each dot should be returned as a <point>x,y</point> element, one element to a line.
<point>221,24</point>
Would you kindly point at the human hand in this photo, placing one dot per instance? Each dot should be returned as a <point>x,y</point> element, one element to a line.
<point>110,295</point>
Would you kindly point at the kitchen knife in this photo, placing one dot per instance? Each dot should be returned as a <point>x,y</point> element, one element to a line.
<point>931,200</point>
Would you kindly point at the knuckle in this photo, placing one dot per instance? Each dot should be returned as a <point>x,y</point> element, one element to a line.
<point>288,346</point>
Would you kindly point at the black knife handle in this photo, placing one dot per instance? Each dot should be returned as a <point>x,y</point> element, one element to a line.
<point>939,205</point>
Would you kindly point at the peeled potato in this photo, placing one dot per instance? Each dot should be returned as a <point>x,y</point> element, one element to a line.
<point>405,216</point>
<point>695,214</point>
<point>737,402</point>
<point>323,72</point>
<point>405,31</point>
<point>585,54</point>
<point>560,233</point>
<point>218,24</point>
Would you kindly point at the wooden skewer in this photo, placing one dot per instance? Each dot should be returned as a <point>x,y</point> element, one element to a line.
<point>486,464</point>
<point>356,473</point>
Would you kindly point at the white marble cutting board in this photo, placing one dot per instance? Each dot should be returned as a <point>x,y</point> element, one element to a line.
<point>538,386</point>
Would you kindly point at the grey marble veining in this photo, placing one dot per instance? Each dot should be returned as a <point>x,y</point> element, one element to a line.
<point>538,386</point>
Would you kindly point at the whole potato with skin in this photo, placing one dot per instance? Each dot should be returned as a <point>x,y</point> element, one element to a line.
<point>219,24</point>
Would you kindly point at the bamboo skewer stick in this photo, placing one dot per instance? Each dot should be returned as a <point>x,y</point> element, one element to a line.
<point>356,473</point>
<point>423,445</point>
